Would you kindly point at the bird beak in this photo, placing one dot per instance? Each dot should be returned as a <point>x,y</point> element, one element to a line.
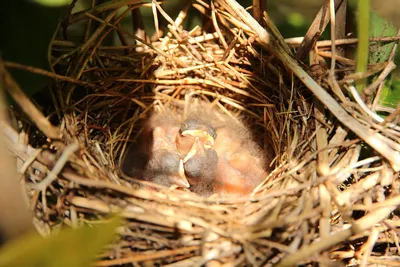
<point>202,141</point>
<point>181,180</point>
<point>207,139</point>
<point>196,147</point>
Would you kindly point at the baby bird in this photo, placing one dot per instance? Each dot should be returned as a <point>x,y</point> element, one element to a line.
<point>241,165</point>
<point>153,157</point>
<point>200,162</point>
<point>169,152</point>
<point>165,167</point>
<point>195,139</point>
<point>207,152</point>
<point>234,164</point>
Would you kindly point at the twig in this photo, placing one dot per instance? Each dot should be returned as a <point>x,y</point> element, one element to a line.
<point>50,74</point>
<point>68,151</point>
<point>296,41</point>
<point>27,106</point>
<point>359,226</point>
<point>259,6</point>
<point>316,29</point>
<point>139,257</point>
<point>340,27</point>
<point>368,135</point>
<point>114,5</point>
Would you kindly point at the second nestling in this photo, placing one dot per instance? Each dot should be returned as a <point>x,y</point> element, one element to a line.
<point>206,152</point>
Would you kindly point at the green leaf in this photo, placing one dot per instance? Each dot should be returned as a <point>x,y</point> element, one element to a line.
<point>380,52</point>
<point>390,95</point>
<point>388,9</point>
<point>296,19</point>
<point>69,248</point>
<point>53,3</point>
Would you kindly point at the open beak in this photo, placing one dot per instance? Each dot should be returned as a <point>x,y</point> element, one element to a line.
<point>181,180</point>
<point>203,136</point>
<point>202,141</point>
<point>198,148</point>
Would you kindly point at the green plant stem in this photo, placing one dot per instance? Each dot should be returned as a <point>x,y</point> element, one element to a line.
<point>363,34</point>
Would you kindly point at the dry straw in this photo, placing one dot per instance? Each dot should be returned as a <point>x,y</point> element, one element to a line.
<point>332,191</point>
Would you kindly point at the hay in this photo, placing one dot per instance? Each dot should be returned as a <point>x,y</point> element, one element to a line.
<point>328,197</point>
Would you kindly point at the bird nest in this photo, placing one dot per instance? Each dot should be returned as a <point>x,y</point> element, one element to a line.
<point>331,190</point>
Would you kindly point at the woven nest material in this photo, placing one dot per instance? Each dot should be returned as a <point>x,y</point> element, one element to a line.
<point>328,196</point>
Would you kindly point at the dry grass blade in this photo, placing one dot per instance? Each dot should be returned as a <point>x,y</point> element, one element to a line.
<point>326,188</point>
<point>28,107</point>
<point>369,136</point>
<point>317,28</point>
